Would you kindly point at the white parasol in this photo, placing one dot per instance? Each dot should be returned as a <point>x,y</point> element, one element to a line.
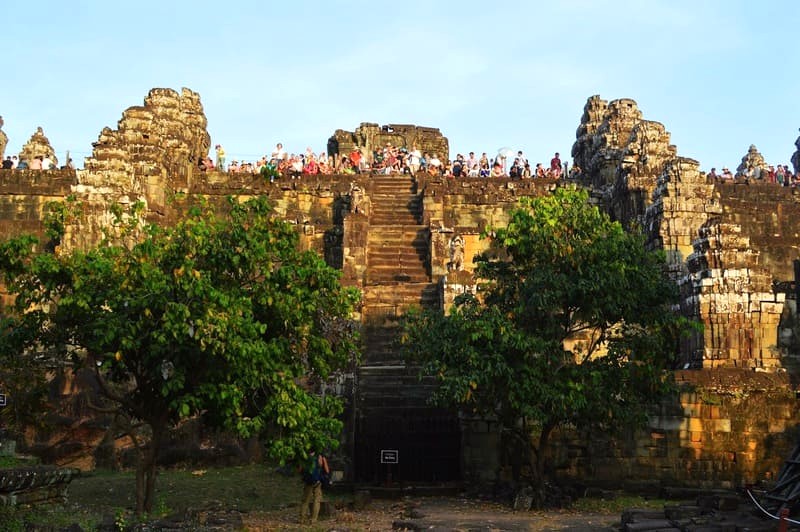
<point>504,153</point>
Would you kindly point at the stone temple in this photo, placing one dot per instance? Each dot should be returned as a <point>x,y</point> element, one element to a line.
<point>731,247</point>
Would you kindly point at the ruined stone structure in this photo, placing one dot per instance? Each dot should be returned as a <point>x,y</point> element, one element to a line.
<point>38,145</point>
<point>407,242</point>
<point>154,150</point>
<point>621,156</point>
<point>369,137</point>
<point>35,485</point>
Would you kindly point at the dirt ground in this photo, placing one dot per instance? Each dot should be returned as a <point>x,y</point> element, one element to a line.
<point>436,514</point>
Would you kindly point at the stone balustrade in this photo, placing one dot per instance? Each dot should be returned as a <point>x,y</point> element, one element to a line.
<point>27,486</point>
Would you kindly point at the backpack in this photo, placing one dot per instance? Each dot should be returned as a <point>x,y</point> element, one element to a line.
<point>313,472</point>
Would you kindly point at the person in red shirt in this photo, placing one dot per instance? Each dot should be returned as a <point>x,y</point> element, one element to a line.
<point>355,158</point>
<point>555,166</point>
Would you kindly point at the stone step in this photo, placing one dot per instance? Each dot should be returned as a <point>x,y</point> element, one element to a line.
<point>397,258</point>
<point>388,250</point>
<point>398,215</point>
<point>392,182</point>
<point>393,385</point>
<point>398,242</point>
<point>398,234</point>
<point>400,293</point>
<point>383,278</point>
<point>382,195</point>
<point>392,196</point>
<point>391,221</point>
<point>394,216</point>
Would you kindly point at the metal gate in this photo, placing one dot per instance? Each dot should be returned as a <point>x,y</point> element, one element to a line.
<point>427,441</point>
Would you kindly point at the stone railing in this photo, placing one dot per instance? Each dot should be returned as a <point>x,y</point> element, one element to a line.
<point>35,485</point>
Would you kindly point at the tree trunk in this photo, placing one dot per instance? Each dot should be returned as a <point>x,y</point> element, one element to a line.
<point>146,473</point>
<point>543,448</point>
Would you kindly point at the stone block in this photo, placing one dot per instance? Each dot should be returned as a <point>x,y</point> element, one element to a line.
<point>721,425</point>
<point>776,426</point>
<point>695,424</point>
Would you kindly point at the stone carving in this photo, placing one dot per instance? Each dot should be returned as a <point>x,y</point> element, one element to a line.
<point>369,136</point>
<point>359,203</point>
<point>456,254</point>
<point>752,165</point>
<point>3,140</point>
<point>38,146</point>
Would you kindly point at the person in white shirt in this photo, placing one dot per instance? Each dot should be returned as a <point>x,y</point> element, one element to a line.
<point>279,154</point>
<point>473,166</point>
<point>47,163</point>
<point>414,157</point>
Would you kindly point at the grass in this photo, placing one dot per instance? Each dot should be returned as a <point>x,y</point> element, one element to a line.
<point>250,489</point>
<point>255,488</point>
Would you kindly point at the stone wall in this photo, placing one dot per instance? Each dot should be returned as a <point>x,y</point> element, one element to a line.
<point>726,429</point>
<point>769,215</point>
<point>24,195</point>
<point>458,211</point>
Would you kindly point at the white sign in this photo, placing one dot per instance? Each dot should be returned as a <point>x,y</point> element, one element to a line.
<point>390,456</point>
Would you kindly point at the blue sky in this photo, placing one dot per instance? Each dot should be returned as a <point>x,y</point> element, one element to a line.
<point>720,75</point>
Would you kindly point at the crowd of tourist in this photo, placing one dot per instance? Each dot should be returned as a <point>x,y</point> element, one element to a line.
<point>389,160</point>
<point>40,162</point>
<point>776,174</point>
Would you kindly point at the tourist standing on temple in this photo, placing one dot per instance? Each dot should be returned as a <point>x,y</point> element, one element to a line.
<point>279,154</point>
<point>473,166</point>
<point>220,153</point>
<point>555,166</point>
<point>8,164</point>
<point>522,159</point>
<point>47,163</point>
<point>36,163</point>
<point>414,159</point>
<point>355,159</point>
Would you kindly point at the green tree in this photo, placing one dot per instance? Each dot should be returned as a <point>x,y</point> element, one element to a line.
<point>571,326</point>
<point>220,315</point>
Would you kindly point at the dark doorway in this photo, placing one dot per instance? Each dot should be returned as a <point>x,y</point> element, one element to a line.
<point>427,441</point>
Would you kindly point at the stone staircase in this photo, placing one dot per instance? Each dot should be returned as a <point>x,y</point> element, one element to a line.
<point>397,278</point>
